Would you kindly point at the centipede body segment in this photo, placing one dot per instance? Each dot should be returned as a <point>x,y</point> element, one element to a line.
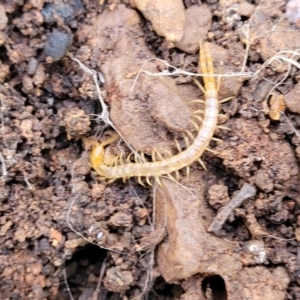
<point>159,166</point>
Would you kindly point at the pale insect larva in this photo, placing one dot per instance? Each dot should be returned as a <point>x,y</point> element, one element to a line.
<point>176,162</point>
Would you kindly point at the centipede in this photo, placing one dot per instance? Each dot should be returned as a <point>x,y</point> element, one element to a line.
<point>113,168</point>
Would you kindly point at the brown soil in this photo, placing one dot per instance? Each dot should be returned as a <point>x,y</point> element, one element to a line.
<point>67,234</point>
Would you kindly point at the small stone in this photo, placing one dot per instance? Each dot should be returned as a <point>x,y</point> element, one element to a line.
<point>56,44</point>
<point>65,9</point>
<point>246,9</point>
<point>291,99</point>
<point>167,17</point>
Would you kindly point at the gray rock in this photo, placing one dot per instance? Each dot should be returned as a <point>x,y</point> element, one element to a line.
<point>56,44</point>
<point>65,10</point>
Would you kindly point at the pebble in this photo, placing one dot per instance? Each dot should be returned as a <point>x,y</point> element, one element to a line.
<point>167,17</point>
<point>65,10</point>
<point>56,44</point>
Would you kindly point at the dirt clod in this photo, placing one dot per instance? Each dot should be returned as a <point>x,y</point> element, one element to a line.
<point>167,17</point>
<point>56,44</point>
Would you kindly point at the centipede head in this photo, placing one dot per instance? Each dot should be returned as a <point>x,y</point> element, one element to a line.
<point>207,68</point>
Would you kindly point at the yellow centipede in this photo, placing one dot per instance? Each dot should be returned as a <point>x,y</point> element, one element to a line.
<point>156,168</point>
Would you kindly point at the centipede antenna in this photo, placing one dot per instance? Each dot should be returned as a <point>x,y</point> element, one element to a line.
<point>148,180</point>
<point>198,100</point>
<point>199,85</point>
<point>177,145</point>
<point>202,164</point>
<point>177,175</point>
<point>217,140</point>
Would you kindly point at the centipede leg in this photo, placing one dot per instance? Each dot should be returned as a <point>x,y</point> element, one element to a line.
<point>226,100</point>
<point>198,118</point>
<point>198,101</point>
<point>153,155</point>
<point>148,180</point>
<point>224,128</point>
<point>168,153</point>
<point>177,175</point>
<point>202,164</point>
<point>177,146</point>
<point>187,143</point>
<point>171,177</point>
<point>159,155</point>
<point>128,159</point>
<point>212,151</point>
<point>111,180</point>
<point>140,181</point>
<point>187,172</point>
<point>121,158</point>
<point>190,135</point>
<point>217,140</point>
<point>199,85</point>
<point>195,125</point>
<point>200,111</point>
<point>143,157</point>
